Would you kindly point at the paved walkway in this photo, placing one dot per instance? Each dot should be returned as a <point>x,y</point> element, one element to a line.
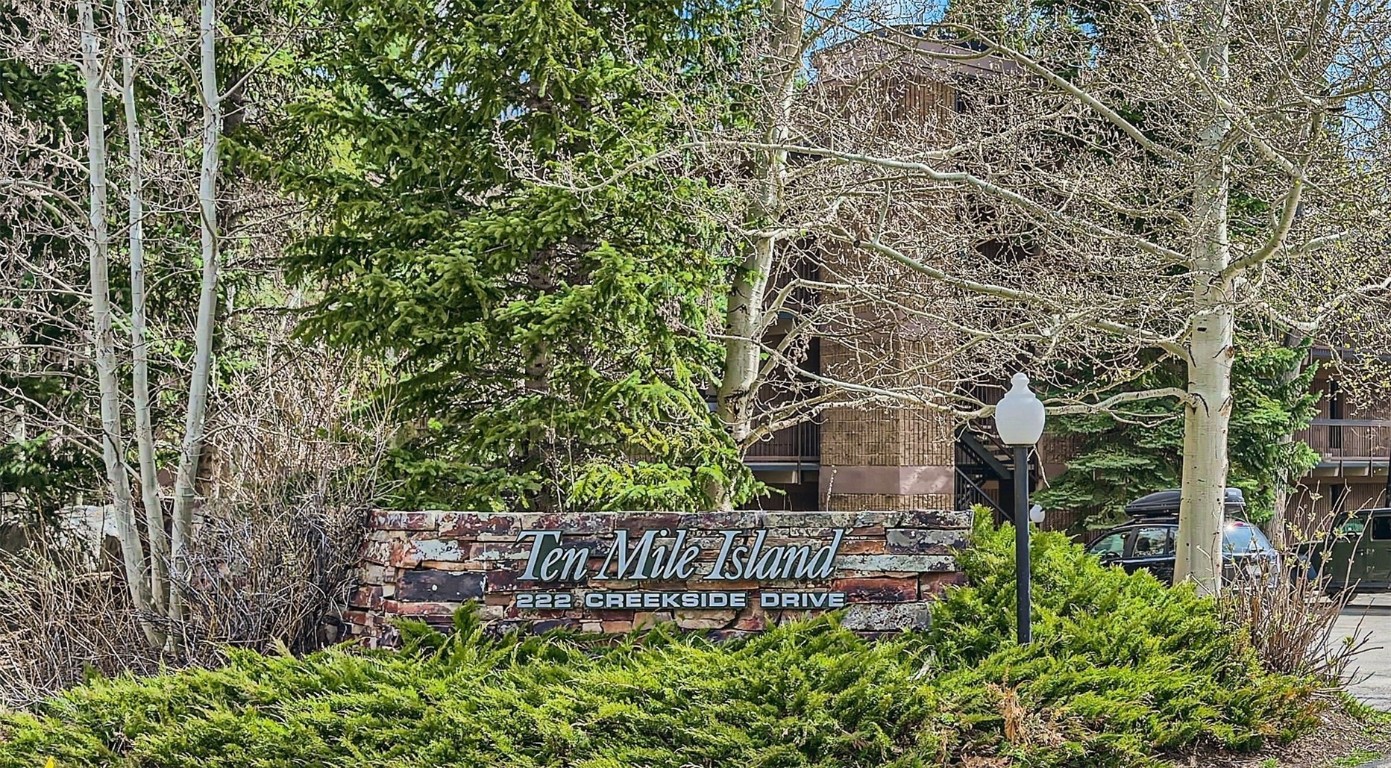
<point>1370,617</point>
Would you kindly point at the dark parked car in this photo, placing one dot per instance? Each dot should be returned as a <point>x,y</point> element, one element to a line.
<point>1356,555</point>
<point>1147,540</point>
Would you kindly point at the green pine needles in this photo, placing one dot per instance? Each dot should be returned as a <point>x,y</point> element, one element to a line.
<point>1123,672</point>
<point>1120,458</point>
<point>546,341</point>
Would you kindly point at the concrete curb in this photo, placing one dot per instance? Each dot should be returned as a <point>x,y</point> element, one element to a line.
<point>1383,763</point>
<point>1371,600</point>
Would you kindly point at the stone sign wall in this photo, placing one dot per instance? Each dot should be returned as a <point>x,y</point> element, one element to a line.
<point>722,572</point>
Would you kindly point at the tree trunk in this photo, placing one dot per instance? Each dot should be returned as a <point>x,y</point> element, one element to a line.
<point>1275,529</point>
<point>192,445</point>
<point>140,376</point>
<point>744,313</point>
<point>1207,416</point>
<point>541,438</point>
<point>1206,421</point>
<point>103,340</point>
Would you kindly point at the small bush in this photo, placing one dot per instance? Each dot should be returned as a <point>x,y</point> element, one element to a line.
<point>261,578</point>
<point>1291,619</point>
<point>1122,670</point>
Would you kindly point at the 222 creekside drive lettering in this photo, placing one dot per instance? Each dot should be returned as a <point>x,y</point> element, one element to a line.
<point>738,559</point>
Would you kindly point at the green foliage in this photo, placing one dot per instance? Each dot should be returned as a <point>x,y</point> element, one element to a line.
<point>548,341</point>
<point>46,384</point>
<point>1358,757</point>
<point>1130,664</point>
<point>1368,715</point>
<point>42,474</point>
<point>1123,670</point>
<point>43,464</point>
<point>1121,459</point>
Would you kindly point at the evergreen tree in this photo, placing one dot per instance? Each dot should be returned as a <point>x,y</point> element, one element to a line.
<point>547,345</point>
<point>1119,458</point>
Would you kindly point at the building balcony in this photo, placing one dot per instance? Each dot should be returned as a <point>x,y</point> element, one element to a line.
<point>1354,446</point>
<point>797,447</point>
<point>1346,444</point>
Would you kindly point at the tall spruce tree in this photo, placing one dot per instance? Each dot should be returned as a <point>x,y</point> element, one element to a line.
<point>547,345</point>
<point>1121,457</point>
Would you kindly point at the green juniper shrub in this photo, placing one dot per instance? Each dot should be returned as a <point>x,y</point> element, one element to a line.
<point>1123,671</point>
<point>1133,665</point>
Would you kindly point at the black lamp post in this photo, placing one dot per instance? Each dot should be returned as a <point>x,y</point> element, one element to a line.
<point>1019,419</point>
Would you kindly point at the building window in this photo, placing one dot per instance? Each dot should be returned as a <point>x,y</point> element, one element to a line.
<point>1153,542</point>
<point>1111,546</point>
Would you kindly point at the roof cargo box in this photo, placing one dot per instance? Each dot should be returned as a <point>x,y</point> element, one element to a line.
<point>1165,503</point>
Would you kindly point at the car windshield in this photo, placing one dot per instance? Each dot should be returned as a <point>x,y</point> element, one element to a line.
<point>1239,538</point>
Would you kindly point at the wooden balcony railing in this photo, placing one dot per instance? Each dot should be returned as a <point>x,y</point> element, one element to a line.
<point>1344,439</point>
<point>799,444</point>
<point>1333,439</point>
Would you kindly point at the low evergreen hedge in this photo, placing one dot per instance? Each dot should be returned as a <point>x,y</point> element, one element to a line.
<point>1123,670</point>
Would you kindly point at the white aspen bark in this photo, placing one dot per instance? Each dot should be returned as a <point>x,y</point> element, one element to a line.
<point>140,377</point>
<point>192,445</point>
<point>1206,420</point>
<point>103,341</point>
<point>744,312</point>
<point>1207,415</point>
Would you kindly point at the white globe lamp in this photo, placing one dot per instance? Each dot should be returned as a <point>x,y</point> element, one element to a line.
<point>1019,415</point>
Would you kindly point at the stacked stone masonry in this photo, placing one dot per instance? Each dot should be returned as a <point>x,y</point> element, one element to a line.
<point>425,565</point>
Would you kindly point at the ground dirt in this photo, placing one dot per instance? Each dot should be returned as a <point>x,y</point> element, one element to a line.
<point>1342,742</point>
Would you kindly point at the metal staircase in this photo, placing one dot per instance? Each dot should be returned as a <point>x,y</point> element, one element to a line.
<point>984,472</point>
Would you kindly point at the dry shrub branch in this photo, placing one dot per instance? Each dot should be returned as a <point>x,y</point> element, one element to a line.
<point>1289,613</point>
<point>276,538</point>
